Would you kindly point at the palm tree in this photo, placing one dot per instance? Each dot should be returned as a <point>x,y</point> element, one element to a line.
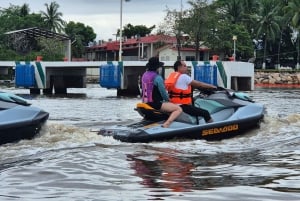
<point>248,18</point>
<point>268,24</point>
<point>52,17</point>
<point>233,10</point>
<point>283,26</point>
<point>293,10</point>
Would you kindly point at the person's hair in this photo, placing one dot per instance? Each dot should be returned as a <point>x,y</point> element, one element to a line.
<point>154,63</point>
<point>176,64</point>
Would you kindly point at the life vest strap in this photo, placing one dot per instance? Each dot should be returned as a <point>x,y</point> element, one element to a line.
<point>179,95</point>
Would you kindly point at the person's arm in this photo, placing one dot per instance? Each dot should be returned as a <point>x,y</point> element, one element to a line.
<point>161,87</point>
<point>198,84</point>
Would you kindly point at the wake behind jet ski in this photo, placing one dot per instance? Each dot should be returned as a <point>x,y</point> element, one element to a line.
<point>233,113</point>
<point>19,120</point>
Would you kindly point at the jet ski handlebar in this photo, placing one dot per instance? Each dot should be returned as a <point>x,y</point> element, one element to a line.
<point>230,93</point>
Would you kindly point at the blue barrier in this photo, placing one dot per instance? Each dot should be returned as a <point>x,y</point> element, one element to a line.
<point>206,73</point>
<point>25,76</point>
<point>110,76</point>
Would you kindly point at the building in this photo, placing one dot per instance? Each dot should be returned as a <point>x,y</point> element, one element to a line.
<point>170,53</point>
<point>142,48</point>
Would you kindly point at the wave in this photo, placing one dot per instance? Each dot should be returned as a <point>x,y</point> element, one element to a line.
<point>273,131</point>
<point>55,136</point>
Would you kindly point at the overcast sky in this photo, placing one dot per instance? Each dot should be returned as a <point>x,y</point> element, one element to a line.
<point>104,15</point>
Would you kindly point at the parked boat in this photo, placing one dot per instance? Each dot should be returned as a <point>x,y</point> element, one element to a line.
<point>18,119</point>
<point>233,113</point>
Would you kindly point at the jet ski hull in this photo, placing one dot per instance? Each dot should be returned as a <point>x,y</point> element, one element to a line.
<point>25,131</point>
<point>218,131</point>
<point>19,121</point>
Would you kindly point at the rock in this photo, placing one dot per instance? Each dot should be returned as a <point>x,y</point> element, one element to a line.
<point>277,78</point>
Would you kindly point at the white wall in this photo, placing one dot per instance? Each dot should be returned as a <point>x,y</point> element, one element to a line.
<point>239,69</point>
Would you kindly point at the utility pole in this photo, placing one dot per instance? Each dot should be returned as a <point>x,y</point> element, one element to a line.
<point>121,27</point>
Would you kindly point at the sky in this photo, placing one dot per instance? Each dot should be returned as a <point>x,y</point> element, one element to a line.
<point>104,15</point>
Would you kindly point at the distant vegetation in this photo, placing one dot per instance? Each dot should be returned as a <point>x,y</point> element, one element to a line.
<point>19,47</point>
<point>267,31</point>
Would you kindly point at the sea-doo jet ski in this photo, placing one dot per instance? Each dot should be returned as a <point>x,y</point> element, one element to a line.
<point>232,112</point>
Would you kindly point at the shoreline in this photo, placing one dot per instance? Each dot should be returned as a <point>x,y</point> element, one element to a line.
<point>276,86</point>
<point>277,79</point>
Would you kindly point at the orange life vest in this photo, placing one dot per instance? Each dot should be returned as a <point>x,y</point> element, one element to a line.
<point>178,96</point>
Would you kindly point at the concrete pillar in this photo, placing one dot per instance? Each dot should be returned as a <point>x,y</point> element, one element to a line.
<point>68,49</point>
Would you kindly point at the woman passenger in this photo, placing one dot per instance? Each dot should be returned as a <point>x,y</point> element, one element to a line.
<point>154,91</point>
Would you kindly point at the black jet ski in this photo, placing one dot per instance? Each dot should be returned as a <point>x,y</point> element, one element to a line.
<point>233,113</point>
<point>18,119</point>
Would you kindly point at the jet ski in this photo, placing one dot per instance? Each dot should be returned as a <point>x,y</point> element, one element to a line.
<point>233,113</point>
<point>18,119</point>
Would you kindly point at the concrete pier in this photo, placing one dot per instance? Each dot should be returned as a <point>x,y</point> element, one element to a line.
<point>57,77</point>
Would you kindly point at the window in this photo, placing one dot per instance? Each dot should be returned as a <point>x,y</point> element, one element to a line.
<point>190,58</point>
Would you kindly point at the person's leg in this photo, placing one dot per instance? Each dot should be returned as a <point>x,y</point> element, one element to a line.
<point>175,111</point>
<point>196,111</point>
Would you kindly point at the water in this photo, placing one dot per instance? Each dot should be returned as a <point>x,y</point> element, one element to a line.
<point>68,161</point>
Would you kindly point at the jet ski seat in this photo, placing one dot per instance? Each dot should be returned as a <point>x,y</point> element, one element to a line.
<point>148,112</point>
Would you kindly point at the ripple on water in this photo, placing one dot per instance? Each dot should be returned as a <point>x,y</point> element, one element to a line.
<point>69,162</point>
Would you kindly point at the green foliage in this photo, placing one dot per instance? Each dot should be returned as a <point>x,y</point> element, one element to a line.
<point>210,23</point>
<point>11,55</point>
<point>139,30</point>
<point>293,11</point>
<point>79,31</point>
<point>232,10</point>
<point>80,36</point>
<point>16,47</point>
<point>51,49</point>
<point>213,24</point>
<point>53,18</point>
<point>14,18</point>
<point>221,39</point>
<point>19,47</point>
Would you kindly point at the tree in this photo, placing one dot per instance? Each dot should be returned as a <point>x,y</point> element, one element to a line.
<point>196,24</point>
<point>220,39</point>
<point>24,11</point>
<point>172,25</point>
<point>139,30</point>
<point>233,9</point>
<point>15,18</point>
<point>53,18</point>
<point>293,10</point>
<point>51,49</point>
<point>80,36</point>
<point>249,8</point>
<point>268,24</point>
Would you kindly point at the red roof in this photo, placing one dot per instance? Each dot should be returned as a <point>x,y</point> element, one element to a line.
<point>111,46</point>
<point>114,45</point>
